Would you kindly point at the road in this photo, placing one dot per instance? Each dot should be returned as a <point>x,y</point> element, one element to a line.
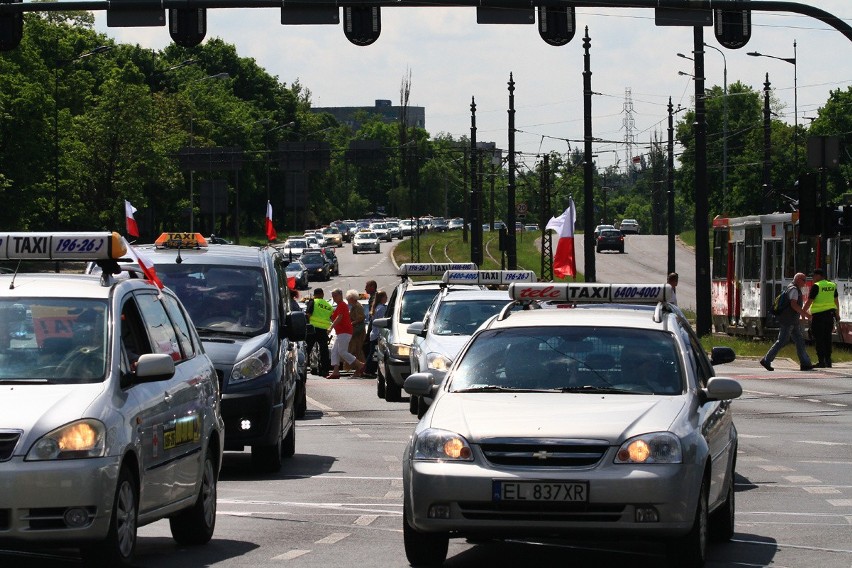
<point>338,501</point>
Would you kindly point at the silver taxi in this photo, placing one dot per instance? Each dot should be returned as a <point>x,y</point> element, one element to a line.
<point>109,406</point>
<point>602,419</point>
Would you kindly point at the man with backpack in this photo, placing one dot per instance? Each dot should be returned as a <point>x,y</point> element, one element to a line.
<point>789,328</point>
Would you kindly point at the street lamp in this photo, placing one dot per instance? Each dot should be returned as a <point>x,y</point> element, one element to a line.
<point>724,126</point>
<point>791,60</point>
<point>191,137</point>
<point>59,63</point>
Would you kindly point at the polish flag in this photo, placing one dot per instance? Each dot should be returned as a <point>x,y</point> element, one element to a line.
<point>132,227</point>
<point>270,229</point>
<point>145,264</point>
<point>564,261</point>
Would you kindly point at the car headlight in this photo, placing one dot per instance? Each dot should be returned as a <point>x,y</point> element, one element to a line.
<point>659,447</point>
<point>441,445</point>
<point>82,439</point>
<point>257,364</point>
<point>400,351</point>
<point>438,362</point>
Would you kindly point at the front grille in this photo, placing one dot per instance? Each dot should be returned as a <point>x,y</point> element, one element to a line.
<point>542,511</point>
<point>5,517</point>
<point>8,441</point>
<point>544,453</point>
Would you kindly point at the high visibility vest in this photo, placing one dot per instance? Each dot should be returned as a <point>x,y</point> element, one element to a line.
<point>321,314</point>
<point>824,300</point>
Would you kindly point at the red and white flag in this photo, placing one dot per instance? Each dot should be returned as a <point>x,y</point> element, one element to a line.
<point>564,261</point>
<point>132,227</point>
<point>270,229</point>
<point>145,264</point>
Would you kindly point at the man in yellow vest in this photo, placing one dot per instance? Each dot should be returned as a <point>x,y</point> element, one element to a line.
<point>319,315</point>
<point>825,310</point>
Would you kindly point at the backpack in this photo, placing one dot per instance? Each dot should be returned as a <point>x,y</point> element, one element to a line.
<point>780,303</point>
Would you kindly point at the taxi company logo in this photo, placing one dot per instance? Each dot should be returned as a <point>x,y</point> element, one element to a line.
<point>495,276</point>
<point>518,276</point>
<point>546,292</point>
<point>600,292</point>
<point>30,245</point>
<point>463,275</point>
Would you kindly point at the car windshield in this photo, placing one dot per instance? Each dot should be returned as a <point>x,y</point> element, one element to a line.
<point>297,243</point>
<point>415,303</point>
<point>59,340</point>
<point>229,299</point>
<point>295,267</point>
<point>366,236</point>
<point>312,258</point>
<point>610,233</point>
<point>571,359</point>
<point>464,316</point>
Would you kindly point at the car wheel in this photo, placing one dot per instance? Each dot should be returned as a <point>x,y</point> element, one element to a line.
<point>424,549</point>
<point>690,550</point>
<point>301,399</point>
<point>413,404</point>
<point>268,458</point>
<point>598,249</point>
<point>378,250</point>
<point>392,391</point>
<point>195,525</point>
<point>722,519</point>
<point>380,383</point>
<point>354,250</point>
<point>288,447</point>
<point>120,543</point>
<point>314,359</point>
<point>621,250</point>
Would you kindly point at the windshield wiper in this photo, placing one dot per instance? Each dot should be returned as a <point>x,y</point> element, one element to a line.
<point>206,331</point>
<point>496,388</point>
<point>26,381</point>
<point>597,390</point>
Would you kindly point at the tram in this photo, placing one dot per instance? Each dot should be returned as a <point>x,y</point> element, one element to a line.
<point>755,257</point>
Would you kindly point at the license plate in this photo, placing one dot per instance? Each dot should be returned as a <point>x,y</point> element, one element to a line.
<point>556,491</point>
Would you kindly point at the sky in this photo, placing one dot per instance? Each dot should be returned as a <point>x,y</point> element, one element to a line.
<point>452,60</point>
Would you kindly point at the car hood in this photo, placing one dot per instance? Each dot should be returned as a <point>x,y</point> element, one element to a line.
<point>37,409</point>
<point>614,418</point>
<point>225,350</point>
<point>447,345</point>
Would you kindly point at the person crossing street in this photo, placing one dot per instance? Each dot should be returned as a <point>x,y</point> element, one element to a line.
<point>825,310</point>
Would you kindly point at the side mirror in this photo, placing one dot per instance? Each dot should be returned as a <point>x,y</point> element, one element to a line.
<point>421,384</point>
<point>381,323</point>
<point>417,328</point>
<point>722,355</point>
<point>721,388</point>
<point>296,324</point>
<point>153,367</point>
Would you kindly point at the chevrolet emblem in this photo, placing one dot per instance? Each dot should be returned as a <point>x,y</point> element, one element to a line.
<point>542,455</point>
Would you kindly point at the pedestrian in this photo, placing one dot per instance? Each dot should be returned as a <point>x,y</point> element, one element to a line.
<point>789,327</point>
<point>370,288</point>
<point>672,281</point>
<point>359,325</point>
<point>377,310</point>
<point>343,333</point>
<point>319,313</point>
<point>824,308</point>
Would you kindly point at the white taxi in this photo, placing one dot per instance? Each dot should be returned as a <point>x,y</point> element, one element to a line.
<point>602,419</point>
<point>109,406</point>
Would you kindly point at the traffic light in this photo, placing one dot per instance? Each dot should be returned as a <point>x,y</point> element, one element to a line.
<point>809,224</point>
<point>11,28</point>
<point>187,26</point>
<point>732,27</point>
<point>556,24</point>
<point>846,220</point>
<point>362,24</point>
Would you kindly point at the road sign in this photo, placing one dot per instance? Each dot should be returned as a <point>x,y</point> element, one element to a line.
<point>521,208</point>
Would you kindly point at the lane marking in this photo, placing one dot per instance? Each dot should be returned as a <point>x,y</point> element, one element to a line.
<point>801,479</point>
<point>290,555</point>
<point>332,538</point>
<point>840,502</point>
<point>775,468</point>
<point>822,490</point>
<point>318,404</point>
<point>365,520</point>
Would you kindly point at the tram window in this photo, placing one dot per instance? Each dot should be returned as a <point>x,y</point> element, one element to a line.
<point>844,259</point>
<point>720,254</point>
<point>751,268</point>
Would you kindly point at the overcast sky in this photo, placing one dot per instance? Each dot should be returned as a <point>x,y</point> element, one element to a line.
<point>452,59</point>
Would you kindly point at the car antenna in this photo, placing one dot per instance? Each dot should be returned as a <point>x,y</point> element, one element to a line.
<point>15,275</point>
<point>178,260</point>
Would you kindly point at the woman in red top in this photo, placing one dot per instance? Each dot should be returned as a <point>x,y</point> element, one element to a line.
<point>342,325</point>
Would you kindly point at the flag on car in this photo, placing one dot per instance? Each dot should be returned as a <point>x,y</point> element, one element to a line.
<point>564,261</point>
<point>132,227</point>
<point>270,229</point>
<point>145,265</point>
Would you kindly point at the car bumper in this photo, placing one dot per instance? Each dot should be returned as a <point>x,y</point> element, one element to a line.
<point>35,495</point>
<point>615,493</point>
<point>397,370</point>
<point>251,418</point>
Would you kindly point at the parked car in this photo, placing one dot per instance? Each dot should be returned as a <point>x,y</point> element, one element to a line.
<point>439,224</point>
<point>610,239</point>
<point>608,421</point>
<point>531,227</point>
<point>110,414</point>
<point>333,263</point>
<point>455,223</point>
<point>365,241</point>
<point>629,226</point>
<point>317,265</point>
<point>299,271</point>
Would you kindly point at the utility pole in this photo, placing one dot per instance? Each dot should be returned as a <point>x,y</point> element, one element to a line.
<point>670,193</point>
<point>588,170</point>
<point>511,243</point>
<point>475,218</point>
<point>704,319</point>
<point>767,148</point>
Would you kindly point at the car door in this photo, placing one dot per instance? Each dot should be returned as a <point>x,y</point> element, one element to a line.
<point>172,416</point>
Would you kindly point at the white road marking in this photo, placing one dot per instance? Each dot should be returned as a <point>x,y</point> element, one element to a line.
<point>393,495</point>
<point>821,443</point>
<point>801,479</point>
<point>318,404</point>
<point>332,538</point>
<point>365,520</point>
<point>775,468</point>
<point>840,502</point>
<point>291,554</point>
<point>822,490</point>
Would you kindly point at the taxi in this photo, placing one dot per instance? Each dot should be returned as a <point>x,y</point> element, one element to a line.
<point>239,300</point>
<point>109,407</point>
<point>604,419</point>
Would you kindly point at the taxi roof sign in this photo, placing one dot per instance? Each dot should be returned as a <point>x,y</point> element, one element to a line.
<point>433,268</point>
<point>62,246</point>
<point>592,293</point>
<point>488,277</point>
<point>180,240</point>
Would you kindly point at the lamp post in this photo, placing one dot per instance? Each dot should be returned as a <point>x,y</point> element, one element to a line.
<point>59,63</point>
<point>791,60</point>
<point>191,137</point>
